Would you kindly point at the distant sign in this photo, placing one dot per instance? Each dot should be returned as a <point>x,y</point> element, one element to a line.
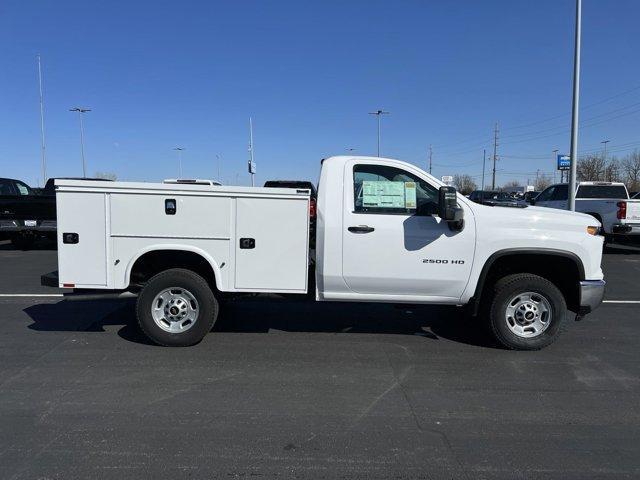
<point>252,167</point>
<point>564,162</point>
<point>447,180</point>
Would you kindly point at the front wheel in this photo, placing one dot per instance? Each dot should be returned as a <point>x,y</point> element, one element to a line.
<point>176,308</point>
<point>527,312</point>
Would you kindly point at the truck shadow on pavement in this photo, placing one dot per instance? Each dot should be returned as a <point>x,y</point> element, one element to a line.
<point>264,315</point>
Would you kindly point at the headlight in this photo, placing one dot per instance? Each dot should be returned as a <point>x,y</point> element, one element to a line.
<point>593,230</point>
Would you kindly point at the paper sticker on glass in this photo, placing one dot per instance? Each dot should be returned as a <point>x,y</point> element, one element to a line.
<point>387,194</point>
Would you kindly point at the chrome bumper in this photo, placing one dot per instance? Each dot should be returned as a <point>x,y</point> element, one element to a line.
<point>591,295</point>
<point>14,226</point>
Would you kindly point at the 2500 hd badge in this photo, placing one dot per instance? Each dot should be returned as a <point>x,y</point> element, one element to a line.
<point>443,261</point>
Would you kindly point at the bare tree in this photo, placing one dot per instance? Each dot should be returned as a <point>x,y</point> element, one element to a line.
<point>542,181</point>
<point>612,171</point>
<point>107,176</point>
<point>591,168</point>
<point>464,183</point>
<point>511,186</point>
<point>630,166</point>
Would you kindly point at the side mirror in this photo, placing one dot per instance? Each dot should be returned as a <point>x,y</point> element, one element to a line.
<point>448,209</point>
<point>532,201</point>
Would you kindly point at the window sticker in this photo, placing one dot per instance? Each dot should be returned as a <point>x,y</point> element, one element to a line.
<point>410,194</point>
<point>386,194</point>
<point>23,189</point>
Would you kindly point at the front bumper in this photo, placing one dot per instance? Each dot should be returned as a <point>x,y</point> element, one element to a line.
<point>591,295</point>
<point>625,229</point>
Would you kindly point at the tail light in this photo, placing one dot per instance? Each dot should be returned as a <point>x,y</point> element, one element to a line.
<point>312,208</point>
<point>622,210</point>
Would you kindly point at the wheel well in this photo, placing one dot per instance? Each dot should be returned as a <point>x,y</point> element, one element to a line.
<point>595,215</point>
<point>563,271</point>
<point>152,263</point>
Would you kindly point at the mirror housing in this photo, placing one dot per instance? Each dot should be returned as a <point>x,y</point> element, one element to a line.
<point>448,209</point>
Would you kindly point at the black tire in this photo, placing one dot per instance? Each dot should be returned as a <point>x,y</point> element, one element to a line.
<point>196,286</point>
<point>504,292</point>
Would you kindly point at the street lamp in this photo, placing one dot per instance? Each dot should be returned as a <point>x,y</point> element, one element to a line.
<point>80,111</point>
<point>179,150</point>
<point>378,113</point>
<point>574,110</point>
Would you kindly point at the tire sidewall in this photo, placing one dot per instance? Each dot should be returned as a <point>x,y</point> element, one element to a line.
<point>528,284</point>
<point>199,289</point>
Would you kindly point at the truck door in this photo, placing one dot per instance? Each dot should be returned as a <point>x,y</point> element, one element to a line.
<point>393,241</point>
<point>555,196</point>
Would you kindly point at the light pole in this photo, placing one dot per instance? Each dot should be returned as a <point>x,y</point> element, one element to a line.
<point>42,147</point>
<point>554,158</point>
<point>484,159</point>
<point>80,111</point>
<point>604,154</point>
<point>180,150</point>
<point>218,158</point>
<point>574,113</point>
<point>378,113</point>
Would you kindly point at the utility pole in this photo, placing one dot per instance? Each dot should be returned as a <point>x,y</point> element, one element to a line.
<point>430,158</point>
<point>218,158</point>
<point>80,111</point>
<point>495,155</point>
<point>252,166</point>
<point>484,160</point>
<point>574,112</point>
<point>554,160</point>
<point>42,147</point>
<point>604,154</point>
<point>179,150</point>
<point>378,113</point>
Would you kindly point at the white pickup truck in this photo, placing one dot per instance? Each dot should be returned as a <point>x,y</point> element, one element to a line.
<point>386,232</point>
<point>606,201</point>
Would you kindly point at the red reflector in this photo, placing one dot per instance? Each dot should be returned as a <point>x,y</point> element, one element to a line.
<point>312,208</point>
<point>68,285</point>
<point>622,210</point>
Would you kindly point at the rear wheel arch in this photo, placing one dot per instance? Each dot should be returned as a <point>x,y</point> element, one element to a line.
<point>156,259</point>
<point>563,268</point>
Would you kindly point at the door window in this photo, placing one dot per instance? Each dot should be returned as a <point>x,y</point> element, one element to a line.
<point>560,192</point>
<point>390,190</point>
<point>23,189</point>
<point>545,196</point>
<point>6,187</point>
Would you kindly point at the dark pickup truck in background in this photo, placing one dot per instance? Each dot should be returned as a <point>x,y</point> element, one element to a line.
<point>25,214</point>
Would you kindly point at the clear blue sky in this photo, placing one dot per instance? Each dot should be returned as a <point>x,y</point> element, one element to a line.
<point>160,74</point>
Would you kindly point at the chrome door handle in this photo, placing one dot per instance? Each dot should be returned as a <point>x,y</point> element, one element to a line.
<point>361,229</point>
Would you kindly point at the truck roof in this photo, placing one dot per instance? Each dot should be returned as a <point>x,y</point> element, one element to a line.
<point>167,188</point>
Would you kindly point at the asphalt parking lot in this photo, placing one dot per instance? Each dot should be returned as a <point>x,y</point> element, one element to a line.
<point>303,390</point>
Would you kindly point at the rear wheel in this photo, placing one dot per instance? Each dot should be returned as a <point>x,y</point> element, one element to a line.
<point>527,312</point>
<point>176,308</point>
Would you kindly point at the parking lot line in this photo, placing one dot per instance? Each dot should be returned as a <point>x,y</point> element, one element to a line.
<point>621,301</point>
<point>31,294</point>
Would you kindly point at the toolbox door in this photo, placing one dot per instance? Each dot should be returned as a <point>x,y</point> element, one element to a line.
<point>82,253</point>
<point>272,244</point>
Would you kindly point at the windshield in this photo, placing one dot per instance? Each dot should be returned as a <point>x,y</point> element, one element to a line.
<point>602,191</point>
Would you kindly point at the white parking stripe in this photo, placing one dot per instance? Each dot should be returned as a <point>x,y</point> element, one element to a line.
<point>58,295</point>
<point>31,295</point>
